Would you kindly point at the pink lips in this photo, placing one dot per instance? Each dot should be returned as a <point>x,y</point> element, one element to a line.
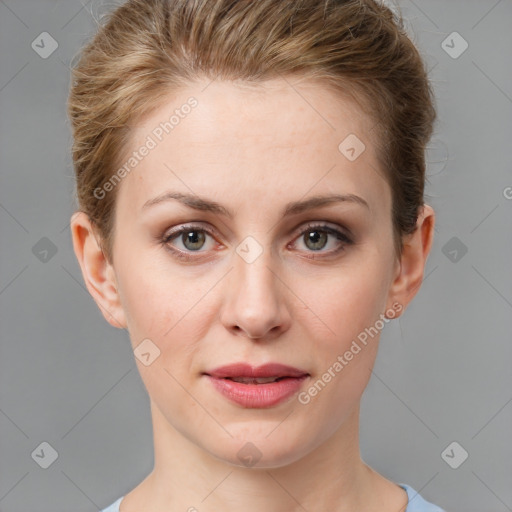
<point>251,394</point>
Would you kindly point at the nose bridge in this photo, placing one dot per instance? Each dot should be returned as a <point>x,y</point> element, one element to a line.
<point>252,268</point>
<point>255,303</point>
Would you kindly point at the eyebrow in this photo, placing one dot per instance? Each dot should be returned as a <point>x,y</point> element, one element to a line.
<point>293,208</point>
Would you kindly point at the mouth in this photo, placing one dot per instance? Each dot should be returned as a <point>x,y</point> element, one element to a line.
<point>243,372</point>
<point>260,387</point>
<point>256,380</point>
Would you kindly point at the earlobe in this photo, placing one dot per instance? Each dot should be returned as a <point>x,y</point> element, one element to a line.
<point>416,248</point>
<point>97,272</point>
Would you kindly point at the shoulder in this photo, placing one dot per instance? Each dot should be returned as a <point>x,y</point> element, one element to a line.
<point>417,503</point>
<point>114,507</point>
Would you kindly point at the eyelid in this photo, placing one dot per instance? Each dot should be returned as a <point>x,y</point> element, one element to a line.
<point>328,227</point>
<point>184,256</point>
<point>179,230</point>
<point>344,239</point>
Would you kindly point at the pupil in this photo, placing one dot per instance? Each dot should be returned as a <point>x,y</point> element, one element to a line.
<point>189,237</point>
<point>315,238</point>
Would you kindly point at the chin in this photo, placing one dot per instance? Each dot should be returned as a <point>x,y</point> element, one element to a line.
<point>261,451</point>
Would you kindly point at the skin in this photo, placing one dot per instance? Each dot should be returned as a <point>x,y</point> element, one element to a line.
<point>253,150</point>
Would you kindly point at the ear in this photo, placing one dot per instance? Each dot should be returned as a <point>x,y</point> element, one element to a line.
<point>97,272</point>
<point>410,270</point>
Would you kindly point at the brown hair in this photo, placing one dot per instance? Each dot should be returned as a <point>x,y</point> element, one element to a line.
<point>147,48</point>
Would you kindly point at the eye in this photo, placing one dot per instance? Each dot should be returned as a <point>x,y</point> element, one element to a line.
<point>316,237</point>
<point>192,238</point>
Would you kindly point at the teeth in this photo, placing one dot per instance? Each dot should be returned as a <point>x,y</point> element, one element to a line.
<point>252,380</point>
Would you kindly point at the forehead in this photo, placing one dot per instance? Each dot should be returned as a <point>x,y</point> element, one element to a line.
<point>213,137</point>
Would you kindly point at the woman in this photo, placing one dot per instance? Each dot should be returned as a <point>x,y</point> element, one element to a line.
<point>250,181</point>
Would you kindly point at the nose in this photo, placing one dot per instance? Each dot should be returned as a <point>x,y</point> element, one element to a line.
<point>256,296</point>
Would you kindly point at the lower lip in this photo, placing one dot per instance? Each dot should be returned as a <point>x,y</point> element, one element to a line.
<point>257,395</point>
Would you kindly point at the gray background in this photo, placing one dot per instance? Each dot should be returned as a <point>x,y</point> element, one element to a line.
<point>443,371</point>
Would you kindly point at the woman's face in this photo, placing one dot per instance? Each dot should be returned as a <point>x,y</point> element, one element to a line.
<point>256,284</point>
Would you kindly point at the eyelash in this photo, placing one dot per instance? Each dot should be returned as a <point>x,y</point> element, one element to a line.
<point>341,236</point>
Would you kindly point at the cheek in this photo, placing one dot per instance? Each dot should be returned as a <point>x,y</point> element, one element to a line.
<point>153,295</point>
<point>160,307</point>
<point>171,308</point>
<point>344,303</point>
<point>345,341</point>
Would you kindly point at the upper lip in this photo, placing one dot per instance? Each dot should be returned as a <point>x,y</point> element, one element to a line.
<point>246,370</point>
